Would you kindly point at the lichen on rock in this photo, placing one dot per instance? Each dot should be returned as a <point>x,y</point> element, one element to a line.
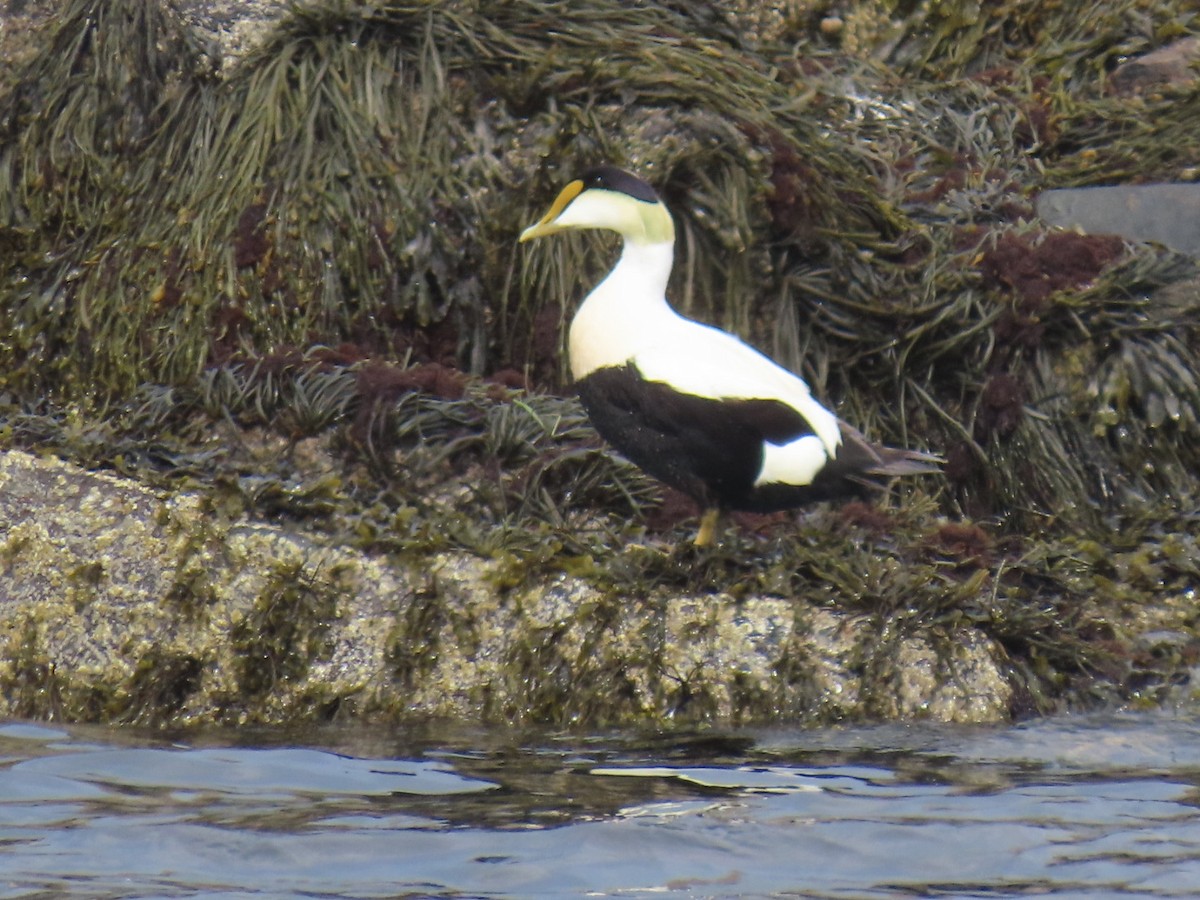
<point>284,428</point>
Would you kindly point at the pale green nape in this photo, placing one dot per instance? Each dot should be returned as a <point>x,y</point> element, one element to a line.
<point>658,226</point>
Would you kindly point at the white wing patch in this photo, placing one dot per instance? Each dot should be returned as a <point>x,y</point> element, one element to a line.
<point>795,463</point>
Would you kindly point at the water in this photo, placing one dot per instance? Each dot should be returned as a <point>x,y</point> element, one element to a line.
<point>1073,807</point>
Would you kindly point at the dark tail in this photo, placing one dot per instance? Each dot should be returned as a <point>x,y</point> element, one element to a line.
<point>875,459</point>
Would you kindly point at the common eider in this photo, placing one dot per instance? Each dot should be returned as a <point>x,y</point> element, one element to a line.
<point>688,403</point>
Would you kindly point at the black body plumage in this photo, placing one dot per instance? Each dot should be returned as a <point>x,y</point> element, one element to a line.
<point>711,450</point>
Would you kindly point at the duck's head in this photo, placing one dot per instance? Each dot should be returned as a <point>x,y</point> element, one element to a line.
<point>608,197</point>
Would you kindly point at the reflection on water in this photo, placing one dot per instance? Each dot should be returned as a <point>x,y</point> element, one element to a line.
<point>1071,807</point>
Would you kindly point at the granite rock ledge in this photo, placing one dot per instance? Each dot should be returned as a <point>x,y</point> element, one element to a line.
<point>124,604</point>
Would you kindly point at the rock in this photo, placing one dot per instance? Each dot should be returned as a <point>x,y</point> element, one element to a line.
<point>1172,65</point>
<point>123,604</point>
<point>1166,213</point>
<point>231,27</point>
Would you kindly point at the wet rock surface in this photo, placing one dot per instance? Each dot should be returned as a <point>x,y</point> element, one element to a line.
<point>259,260</point>
<point>124,604</point>
<point>1166,213</point>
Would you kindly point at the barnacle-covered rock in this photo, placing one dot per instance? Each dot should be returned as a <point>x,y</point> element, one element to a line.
<point>271,280</point>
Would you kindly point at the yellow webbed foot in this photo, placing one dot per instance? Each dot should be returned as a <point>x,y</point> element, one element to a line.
<point>708,527</point>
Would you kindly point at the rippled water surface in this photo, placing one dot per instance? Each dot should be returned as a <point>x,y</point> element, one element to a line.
<point>1070,807</point>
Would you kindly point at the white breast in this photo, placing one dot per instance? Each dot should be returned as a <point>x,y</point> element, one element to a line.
<point>612,323</point>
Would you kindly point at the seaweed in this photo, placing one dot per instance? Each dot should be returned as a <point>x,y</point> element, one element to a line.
<point>348,179</point>
<point>292,286</point>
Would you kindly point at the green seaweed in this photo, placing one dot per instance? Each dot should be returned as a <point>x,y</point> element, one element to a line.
<point>276,642</point>
<point>346,175</point>
<point>293,288</point>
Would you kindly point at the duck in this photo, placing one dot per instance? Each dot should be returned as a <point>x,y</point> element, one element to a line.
<point>692,405</point>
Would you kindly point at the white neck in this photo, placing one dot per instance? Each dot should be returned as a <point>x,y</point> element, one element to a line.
<point>624,310</point>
